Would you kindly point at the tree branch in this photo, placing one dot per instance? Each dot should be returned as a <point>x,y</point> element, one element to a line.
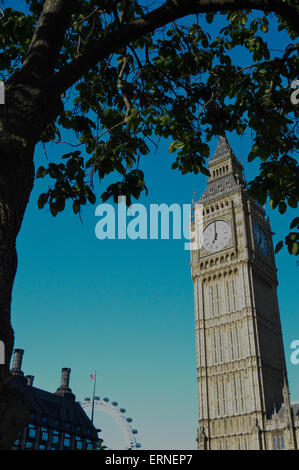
<point>48,38</point>
<point>171,10</point>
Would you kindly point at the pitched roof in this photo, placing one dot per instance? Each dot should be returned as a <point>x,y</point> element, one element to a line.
<point>294,406</point>
<point>223,149</point>
<point>61,412</point>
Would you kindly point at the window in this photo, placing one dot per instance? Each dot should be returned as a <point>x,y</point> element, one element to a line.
<point>278,442</point>
<point>44,434</point>
<point>42,447</point>
<point>29,445</point>
<point>31,431</point>
<point>55,437</point>
<point>67,440</point>
<point>79,442</point>
<point>282,443</point>
<point>89,445</point>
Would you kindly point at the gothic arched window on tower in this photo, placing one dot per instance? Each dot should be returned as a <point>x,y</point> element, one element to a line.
<point>278,442</point>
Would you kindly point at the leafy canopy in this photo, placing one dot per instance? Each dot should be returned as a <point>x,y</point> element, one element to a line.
<point>176,81</point>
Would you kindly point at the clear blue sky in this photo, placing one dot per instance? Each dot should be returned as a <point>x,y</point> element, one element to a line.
<point>125,308</point>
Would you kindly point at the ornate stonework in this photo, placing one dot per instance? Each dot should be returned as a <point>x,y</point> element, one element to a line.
<point>242,385</point>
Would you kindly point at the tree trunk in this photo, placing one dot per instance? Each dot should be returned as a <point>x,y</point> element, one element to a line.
<point>16,181</point>
<point>23,117</point>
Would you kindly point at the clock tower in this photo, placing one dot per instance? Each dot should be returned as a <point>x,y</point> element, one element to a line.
<point>241,371</point>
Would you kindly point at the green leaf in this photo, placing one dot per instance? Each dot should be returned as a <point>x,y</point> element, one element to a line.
<point>43,198</point>
<point>53,209</point>
<point>205,171</point>
<point>282,207</point>
<point>295,223</point>
<point>279,246</point>
<point>41,172</point>
<point>76,207</point>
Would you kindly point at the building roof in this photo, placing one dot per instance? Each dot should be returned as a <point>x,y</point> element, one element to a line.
<point>225,183</point>
<point>294,406</point>
<point>223,149</point>
<point>219,188</point>
<point>59,412</point>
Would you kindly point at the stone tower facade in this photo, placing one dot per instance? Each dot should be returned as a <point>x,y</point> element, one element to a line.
<point>241,372</point>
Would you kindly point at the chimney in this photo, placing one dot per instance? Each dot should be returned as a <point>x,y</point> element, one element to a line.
<point>64,390</point>
<point>17,362</point>
<point>30,379</point>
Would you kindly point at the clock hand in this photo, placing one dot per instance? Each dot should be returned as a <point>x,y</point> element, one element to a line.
<point>215,233</point>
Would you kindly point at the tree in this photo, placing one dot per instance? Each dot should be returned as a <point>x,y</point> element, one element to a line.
<point>130,81</point>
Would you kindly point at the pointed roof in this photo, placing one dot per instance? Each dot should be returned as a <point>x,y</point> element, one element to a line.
<point>223,149</point>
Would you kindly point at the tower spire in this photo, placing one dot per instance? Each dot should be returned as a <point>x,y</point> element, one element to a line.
<point>223,149</point>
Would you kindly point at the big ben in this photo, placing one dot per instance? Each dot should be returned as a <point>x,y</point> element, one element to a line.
<point>241,371</point>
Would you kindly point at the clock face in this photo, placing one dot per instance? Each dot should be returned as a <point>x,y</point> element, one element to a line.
<point>261,239</point>
<point>215,236</point>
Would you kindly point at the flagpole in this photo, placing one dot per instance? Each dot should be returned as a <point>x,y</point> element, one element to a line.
<point>94,391</point>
